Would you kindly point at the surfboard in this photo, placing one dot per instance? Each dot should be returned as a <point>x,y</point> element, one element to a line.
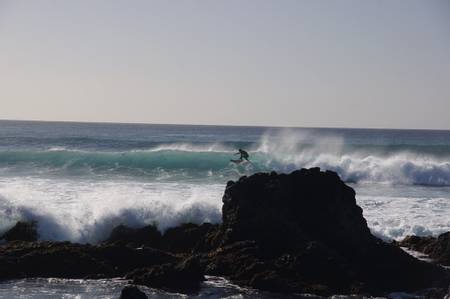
<point>238,161</point>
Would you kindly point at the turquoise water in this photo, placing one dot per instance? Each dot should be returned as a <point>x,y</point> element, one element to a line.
<point>411,157</point>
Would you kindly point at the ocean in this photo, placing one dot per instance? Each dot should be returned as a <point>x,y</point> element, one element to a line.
<point>80,180</point>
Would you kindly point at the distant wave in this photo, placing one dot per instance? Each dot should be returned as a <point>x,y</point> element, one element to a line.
<point>196,161</point>
<point>284,151</point>
<point>189,147</point>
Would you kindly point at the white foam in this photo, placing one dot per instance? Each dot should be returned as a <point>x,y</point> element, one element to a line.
<point>392,217</point>
<point>86,211</point>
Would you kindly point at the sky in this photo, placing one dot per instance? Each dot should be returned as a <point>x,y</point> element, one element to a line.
<point>371,64</point>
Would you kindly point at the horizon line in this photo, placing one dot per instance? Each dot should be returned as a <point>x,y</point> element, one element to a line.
<point>218,125</point>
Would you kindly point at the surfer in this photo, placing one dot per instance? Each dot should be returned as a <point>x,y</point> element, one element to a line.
<point>244,155</point>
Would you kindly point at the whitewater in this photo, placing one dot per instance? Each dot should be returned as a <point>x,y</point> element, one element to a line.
<point>79,180</point>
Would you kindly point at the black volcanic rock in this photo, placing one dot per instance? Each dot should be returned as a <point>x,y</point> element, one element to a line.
<point>188,237</point>
<point>184,276</point>
<point>22,231</point>
<point>303,232</point>
<point>184,238</point>
<point>148,235</point>
<point>284,212</point>
<point>132,292</point>
<point>437,248</point>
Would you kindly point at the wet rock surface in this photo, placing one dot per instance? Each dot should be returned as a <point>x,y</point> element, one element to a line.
<point>437,248</point>
<point>291,233</point>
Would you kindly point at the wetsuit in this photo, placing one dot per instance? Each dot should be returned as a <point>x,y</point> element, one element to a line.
<point>244,155</point>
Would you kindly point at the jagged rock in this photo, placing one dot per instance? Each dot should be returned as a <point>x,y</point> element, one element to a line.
<point>437,248</point>
<point>184,276</point>
<point>22,231</point>
<point>132,292</point>
<point>124,235</point>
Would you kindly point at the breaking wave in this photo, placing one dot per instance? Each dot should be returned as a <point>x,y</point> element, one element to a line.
<point>283,153</point>
<point>360,163</point>
<point>83,211</point>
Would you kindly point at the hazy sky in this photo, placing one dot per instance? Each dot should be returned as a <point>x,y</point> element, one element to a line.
<point>296,63</point>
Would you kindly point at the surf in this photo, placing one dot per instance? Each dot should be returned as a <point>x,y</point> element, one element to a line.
<point>354,164</point>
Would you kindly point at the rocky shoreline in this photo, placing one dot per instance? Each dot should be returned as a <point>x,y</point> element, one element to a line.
<point>289,233</point>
